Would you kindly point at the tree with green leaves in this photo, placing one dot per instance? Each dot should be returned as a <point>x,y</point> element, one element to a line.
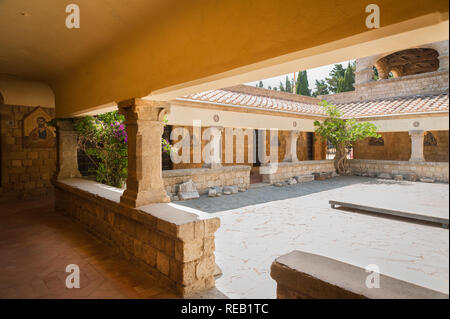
<point>338,81</point>
<point>302,85</point>
<point>260,84</point>
<point>282,89</point>
<point>104,140</point>
<point>288,85</point>
<point>342,133</point>
<point>321,88</point>
<point>349,79</point>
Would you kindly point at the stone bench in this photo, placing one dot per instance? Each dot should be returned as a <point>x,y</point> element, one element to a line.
<point>301,275</point>
<point>383,211</point>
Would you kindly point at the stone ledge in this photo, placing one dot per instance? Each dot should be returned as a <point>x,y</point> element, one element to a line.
<point>204,171</point>
<point>388,162</point>
<point>438,171</point>
<point>175,245</point>
<point>302,163</point>
<point>304,275</point>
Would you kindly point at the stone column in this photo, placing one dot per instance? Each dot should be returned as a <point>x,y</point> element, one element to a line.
<point>67,150</point>
<point>291,147</point>
<point>364,70</point>
<point>145,126</point>
<point>216,148</point>
<point>442,48</point>
<point>416,146</point>
<point>383,71</point>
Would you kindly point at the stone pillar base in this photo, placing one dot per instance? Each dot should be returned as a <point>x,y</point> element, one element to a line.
<point>136,199</point>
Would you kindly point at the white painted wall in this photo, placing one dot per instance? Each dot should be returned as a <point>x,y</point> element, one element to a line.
<point>182,115</point>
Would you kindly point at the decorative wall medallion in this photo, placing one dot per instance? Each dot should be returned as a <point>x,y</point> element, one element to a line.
<point>416,124</point>
<point>216,118</point>
<point>36,132</point>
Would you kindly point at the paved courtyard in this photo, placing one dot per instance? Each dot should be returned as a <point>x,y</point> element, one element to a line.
<point>263,223</point>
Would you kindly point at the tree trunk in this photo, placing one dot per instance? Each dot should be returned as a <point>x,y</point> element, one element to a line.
<point>340,160</point>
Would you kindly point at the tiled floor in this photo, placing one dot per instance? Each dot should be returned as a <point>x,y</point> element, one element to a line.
<point>36,245</point>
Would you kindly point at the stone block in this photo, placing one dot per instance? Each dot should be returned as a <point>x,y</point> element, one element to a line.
<point>398,177</point>
<point>230,189</point>
<point>291,181</point>
<point>427,180</point>
<point>163,263</point>
<point>212,192</point>
<point>211,226</point>
<point>322,176</point>
<point>186,232</point>
<point>205,267</point>
<point>16,163</point>
<point>187,190</point>
<point>304,178</point>
<point>189,251</point>
<point>384,176</point>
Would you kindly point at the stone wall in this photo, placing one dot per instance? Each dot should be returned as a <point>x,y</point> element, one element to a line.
<point>434,170</point>
<point>25,172</point>
<point>204,178</point>
<point>397,147</point>
<point>319,149</point>
<point>418,84</point>
<point>175,247</point>
<point>438,152</point>
<point>284,170</point>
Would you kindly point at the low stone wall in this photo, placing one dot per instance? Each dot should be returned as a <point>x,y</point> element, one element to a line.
<point>174,246</point>
<point>284,170</point>
<point>435,170</point>
<point>417,84</point>
<point>204,178</point>
<point>301,275</point>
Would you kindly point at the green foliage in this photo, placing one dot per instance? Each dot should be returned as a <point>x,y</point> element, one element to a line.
<point>321,88</point>
<point>349,79</point>
<point>302,85</point>
<point>260,84</point>
<point>340,79</point>
<point>282,89</point>
<point>103,138</point>
<point>342,132</point>
<point>288,85</point>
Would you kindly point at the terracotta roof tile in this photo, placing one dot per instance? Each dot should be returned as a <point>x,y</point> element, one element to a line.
<point>396,106</point>
<point>246,96</point>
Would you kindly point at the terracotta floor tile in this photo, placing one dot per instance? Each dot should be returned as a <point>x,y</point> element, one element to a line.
<point>36,245</point>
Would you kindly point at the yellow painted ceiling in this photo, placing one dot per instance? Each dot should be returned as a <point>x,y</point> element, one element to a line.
<point>133,48</point>
<point>35,44</point>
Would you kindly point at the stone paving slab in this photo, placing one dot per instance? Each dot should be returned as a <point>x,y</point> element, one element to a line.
<point>262,224</point>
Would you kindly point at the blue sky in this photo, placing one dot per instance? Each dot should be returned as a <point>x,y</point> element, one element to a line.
<point>319,73</point>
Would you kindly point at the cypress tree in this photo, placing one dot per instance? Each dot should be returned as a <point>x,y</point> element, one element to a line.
<point>302,87</point>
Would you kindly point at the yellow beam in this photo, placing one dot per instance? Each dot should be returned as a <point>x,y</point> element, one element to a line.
<point>234,41</point>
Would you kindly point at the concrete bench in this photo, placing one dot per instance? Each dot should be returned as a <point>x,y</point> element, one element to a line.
<point>301,275</point>
<point>417,217</point>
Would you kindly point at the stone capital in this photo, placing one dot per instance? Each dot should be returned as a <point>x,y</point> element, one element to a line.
<point>146,110</point>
